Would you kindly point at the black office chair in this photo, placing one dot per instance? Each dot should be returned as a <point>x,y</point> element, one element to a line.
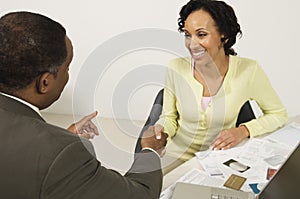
<point>246,114</point>
<point>152,119</point>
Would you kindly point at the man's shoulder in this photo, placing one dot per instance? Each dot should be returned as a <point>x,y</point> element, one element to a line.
<point>47,138</point>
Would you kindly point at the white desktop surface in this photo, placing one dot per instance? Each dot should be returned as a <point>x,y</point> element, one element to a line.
<point>178,172</point>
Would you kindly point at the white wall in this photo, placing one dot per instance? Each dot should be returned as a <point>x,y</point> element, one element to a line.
<point>271,36</point>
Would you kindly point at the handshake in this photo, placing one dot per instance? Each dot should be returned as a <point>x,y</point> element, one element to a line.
<point>155,138</point>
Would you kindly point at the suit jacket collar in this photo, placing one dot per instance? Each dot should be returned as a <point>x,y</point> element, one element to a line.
<point>11,105</point>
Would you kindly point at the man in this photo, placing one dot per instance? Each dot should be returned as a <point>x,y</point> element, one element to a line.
<point>39,160</point>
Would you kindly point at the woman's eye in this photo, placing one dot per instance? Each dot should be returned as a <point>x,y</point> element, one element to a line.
<point>202,34</point>
<point>186,35</point>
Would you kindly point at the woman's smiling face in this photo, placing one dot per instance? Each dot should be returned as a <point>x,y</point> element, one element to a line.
<point>202,37</point>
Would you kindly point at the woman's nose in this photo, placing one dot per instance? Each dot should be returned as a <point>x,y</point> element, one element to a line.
<point>195,43</point>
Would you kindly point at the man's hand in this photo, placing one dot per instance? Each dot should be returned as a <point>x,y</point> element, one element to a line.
<point>155,139</point>
<point>230,137</point>
<point>85,127</point>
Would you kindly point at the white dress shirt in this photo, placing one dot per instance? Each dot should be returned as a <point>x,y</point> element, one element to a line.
<point>36,109</point>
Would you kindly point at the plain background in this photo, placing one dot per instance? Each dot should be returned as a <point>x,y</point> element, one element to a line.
<point>270,35</point>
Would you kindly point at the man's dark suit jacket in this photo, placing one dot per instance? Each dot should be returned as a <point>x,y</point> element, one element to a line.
<point>39,160</point>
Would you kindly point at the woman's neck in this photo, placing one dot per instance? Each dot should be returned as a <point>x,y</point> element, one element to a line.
<point>213,69</point>
<point>211,75</point>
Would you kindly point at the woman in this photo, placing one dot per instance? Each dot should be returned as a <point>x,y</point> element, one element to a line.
<point>204,93</point>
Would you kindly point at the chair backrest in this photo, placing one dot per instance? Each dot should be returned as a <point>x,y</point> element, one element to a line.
<point>246,114</point>
<point>152,118</point>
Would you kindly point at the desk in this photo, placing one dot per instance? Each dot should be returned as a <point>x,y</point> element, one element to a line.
<point>175,174</point>
<point>178,172</point>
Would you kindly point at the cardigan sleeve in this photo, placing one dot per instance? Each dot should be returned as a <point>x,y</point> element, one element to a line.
<point>169,116</point>
<point>274,113</point>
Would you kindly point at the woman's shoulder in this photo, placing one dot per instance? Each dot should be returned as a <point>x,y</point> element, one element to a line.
<point>179,64</point>
<point>180,61</point>
<point>243,60</point>
<point>243,63</point>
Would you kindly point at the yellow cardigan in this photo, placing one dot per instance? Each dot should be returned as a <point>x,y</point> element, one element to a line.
<point>192,129</point>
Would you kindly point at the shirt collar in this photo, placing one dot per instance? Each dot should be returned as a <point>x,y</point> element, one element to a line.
<point>36,109</point>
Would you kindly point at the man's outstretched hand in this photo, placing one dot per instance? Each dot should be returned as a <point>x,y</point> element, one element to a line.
<point>154,139</point>
<point>85,127</point>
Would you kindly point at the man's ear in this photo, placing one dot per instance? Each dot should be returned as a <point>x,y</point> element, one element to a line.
<point>43,82</point>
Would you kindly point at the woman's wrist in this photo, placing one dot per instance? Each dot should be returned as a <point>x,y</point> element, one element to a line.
<point>245,131</point>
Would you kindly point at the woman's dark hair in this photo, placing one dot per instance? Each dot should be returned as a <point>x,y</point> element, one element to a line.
<point>222,14</point>
<point>30,44</point>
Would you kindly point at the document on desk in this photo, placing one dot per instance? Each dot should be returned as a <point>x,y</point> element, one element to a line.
<point>289,135</point>
<point>194,176</point>
<point>251,160</point>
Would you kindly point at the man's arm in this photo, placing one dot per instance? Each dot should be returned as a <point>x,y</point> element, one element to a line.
<point>76,173</point>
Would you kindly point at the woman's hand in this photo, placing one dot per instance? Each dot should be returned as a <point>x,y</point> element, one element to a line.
<point>230,137</point>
